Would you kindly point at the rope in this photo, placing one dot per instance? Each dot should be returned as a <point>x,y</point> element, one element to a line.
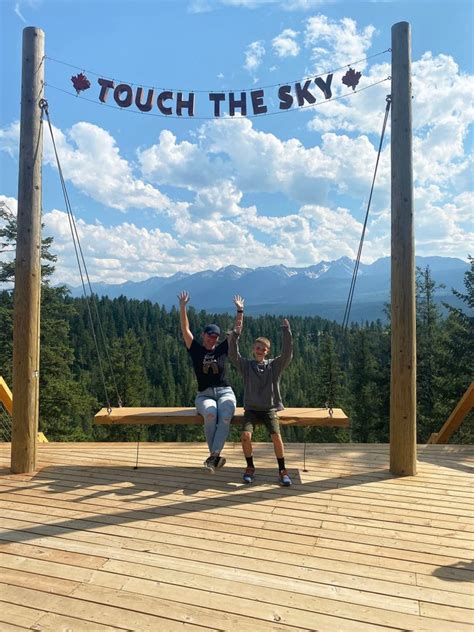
<point>273,85</point>
<point>221,118</point>
<point>78,251</point>
<point>345,320</point>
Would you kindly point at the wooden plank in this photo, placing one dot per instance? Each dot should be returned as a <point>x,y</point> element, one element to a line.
<point>18,614</point>
<point>124,618</point>
<point>180,415</point>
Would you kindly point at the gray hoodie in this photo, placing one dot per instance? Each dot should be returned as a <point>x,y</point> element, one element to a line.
<point>261,381</point>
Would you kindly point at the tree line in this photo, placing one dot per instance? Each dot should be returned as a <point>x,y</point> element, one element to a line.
<point>331,367</point>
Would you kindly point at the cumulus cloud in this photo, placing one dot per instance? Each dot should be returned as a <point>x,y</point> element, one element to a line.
<point>127,252</point>
<point>91,160</point>
<point>10,139</point>
<point>335,43</point>
<point>9,203</point>
<point>181,164</point>
<point>254,55</point>
<point>109,180</point>
<point>285,44</point>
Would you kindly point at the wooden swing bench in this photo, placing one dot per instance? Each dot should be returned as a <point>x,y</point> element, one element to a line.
<point>288,417</point>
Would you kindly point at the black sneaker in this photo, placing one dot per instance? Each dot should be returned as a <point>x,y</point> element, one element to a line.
<point>249,475</point>
<point>219,462</point>
<point>210,464</point>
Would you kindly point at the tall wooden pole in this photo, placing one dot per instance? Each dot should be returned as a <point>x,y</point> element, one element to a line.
<point>28,258</point>
<point>403,370</point>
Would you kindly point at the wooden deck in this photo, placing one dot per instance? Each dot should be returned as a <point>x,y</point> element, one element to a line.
<point>89,543</point>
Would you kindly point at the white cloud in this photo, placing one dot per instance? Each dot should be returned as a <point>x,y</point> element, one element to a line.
<point>254,55</point>
<point>179,164</point>
<point>285,44</point>
<point>127,252</point>
<point>19,13</point>
<point>10,203</point>
<point>112,253</point>
<point>220,200</point>
<point>261,162</point>
<point>443,112</point>
<point>90,159</point>
<point>362,112</point>
<point>10,139</point>
<point>335,43</point>
<point>303,5</point>
<point>109,179</point>
<point>204,6</point>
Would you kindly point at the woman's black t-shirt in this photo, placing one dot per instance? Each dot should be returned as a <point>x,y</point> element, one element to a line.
<point>209,366</point>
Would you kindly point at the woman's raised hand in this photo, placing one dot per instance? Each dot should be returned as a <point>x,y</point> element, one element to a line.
<point>183,297</point>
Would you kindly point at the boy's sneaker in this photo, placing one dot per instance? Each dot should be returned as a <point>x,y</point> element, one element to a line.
<point>210,464</point>
<point>249,475</point>
<point>284,480</point>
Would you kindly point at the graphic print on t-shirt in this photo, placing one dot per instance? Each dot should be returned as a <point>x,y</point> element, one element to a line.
<point>209,362</point>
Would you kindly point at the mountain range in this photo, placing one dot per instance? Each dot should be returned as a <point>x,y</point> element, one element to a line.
<point>320,289</point>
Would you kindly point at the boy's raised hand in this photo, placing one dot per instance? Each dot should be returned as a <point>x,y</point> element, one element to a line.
<point>286,323</point>
<point>239,302</point>
<point>183,297</point>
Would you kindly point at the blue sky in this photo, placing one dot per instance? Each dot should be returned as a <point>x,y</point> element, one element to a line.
<point>155,195</point>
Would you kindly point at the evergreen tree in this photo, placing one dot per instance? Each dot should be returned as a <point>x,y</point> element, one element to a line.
<point>64,404</point>
<point>458,357</point>
<point>428,343</point>
<point>366,409</point>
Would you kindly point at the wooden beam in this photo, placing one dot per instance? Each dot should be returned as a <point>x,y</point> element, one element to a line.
<point>455,419</point>
<point>403,321</point>
<point>28,258</point>
<point>180,415</point>
<point>6,396</point>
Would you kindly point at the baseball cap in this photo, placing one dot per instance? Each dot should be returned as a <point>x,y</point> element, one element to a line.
<point>212,329</point>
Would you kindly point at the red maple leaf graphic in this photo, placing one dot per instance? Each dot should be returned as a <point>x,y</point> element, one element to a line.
<point>351,78</point>
<point>80,82</point>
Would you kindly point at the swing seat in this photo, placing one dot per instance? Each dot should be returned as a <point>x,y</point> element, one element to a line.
<point>179,415</point>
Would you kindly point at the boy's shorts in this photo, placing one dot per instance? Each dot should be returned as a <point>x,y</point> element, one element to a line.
<point>268,418</point>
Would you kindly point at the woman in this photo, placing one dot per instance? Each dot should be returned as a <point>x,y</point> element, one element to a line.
<point>215,401</point>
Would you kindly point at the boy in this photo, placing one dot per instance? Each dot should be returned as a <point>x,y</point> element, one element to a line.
<point>262,397</point>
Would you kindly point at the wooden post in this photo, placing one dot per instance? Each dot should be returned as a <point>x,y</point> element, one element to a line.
<point>28,258</point>
<point>403,369</point>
